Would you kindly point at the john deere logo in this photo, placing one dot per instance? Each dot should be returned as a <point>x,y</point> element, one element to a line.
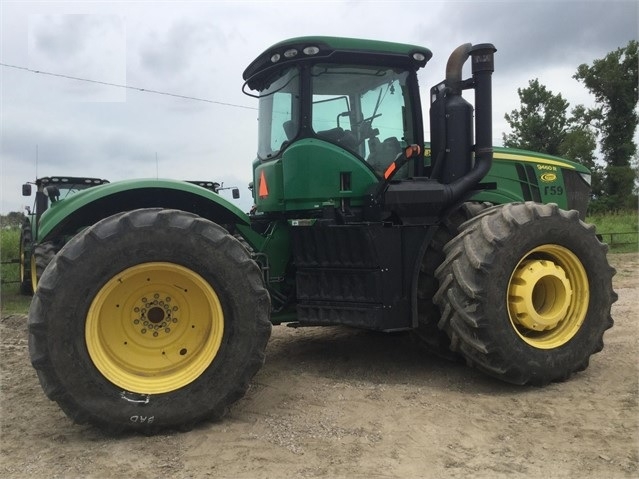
<point>548,177</point>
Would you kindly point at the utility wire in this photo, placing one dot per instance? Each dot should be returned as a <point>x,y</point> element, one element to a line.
<point>128,87</point>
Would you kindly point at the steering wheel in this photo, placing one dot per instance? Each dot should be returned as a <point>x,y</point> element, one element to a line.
<point>365,128</point>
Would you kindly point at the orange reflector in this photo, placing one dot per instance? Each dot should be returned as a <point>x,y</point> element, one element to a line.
<point>389,170</point>
<point>263,189</point>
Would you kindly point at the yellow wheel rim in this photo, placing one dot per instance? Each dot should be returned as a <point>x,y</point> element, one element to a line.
<point>23,273</point>
<point>154,328</point>
<point>548,296</point>
<point>34,272</point>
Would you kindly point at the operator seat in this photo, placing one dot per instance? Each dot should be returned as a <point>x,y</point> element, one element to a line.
<point>383,154</point>
<point>340,136</point>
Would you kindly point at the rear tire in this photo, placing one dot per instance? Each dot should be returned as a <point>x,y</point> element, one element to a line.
<point>526,293</point>
<point>41,255</point>
<point>26,244</point>
<point>148,320</point>
<point>434,339</point>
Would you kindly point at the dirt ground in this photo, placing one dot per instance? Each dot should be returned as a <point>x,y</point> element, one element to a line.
<point>342,403</point>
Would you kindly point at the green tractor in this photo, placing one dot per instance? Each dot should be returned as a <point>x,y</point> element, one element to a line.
<point>157,310</point>
<point>50,191</point>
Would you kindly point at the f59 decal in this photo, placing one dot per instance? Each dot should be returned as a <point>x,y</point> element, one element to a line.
<point>553,190</point>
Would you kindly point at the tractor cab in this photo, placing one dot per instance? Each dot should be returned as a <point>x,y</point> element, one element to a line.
<point>333,115</point>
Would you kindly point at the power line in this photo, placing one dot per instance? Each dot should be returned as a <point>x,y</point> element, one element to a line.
<point>128,87</point>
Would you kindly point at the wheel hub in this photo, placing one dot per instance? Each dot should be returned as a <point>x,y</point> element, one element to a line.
<point>548,296</point>
<point>540,295</point>
<point>155,315</point>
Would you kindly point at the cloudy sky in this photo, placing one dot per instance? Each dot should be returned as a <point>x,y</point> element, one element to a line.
<point>51,125</point>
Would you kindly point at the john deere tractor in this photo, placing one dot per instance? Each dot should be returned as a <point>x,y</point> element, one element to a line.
<point>157,310</point>
<point>50,191</point>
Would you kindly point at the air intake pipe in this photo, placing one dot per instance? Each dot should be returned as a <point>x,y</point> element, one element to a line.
<point>451,122</point>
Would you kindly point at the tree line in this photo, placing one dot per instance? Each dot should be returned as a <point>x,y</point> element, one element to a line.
<point>11,220</point>
<point>600,138</point>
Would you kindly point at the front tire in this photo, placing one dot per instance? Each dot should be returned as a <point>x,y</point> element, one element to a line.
<point>148,320</point>
<point>526,293</point>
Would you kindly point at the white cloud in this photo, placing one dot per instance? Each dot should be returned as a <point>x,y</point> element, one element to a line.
<point>80,45</point>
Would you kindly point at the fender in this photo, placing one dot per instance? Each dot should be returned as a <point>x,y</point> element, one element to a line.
<point>87,207</point>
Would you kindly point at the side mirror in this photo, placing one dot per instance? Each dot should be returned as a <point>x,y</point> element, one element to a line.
<point>236,193</point>
<point>26,189</point>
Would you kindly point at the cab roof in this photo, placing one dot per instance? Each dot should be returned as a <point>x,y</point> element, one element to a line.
<point>338,50</point>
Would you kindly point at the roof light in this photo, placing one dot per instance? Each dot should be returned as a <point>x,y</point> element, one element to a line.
<point>311,50</point>
<point>420,57</point>
<point>275,58</point>
<point>290,53</point>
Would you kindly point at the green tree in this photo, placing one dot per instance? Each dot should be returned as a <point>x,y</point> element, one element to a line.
<point>580,143</point>
<point>13,219</point>
<point>541,123</point>
<point>613,80</point>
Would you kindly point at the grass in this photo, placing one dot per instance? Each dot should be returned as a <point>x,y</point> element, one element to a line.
<point>11,301</point>
<point>619,230</point>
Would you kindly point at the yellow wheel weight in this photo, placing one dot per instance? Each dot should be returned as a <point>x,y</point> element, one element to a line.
<point>548,295</point>
<point>154,328</point>
<point>23,273</point>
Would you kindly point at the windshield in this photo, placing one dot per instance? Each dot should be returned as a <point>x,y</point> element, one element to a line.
<point>363,109</point>
<point>278,114</point>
